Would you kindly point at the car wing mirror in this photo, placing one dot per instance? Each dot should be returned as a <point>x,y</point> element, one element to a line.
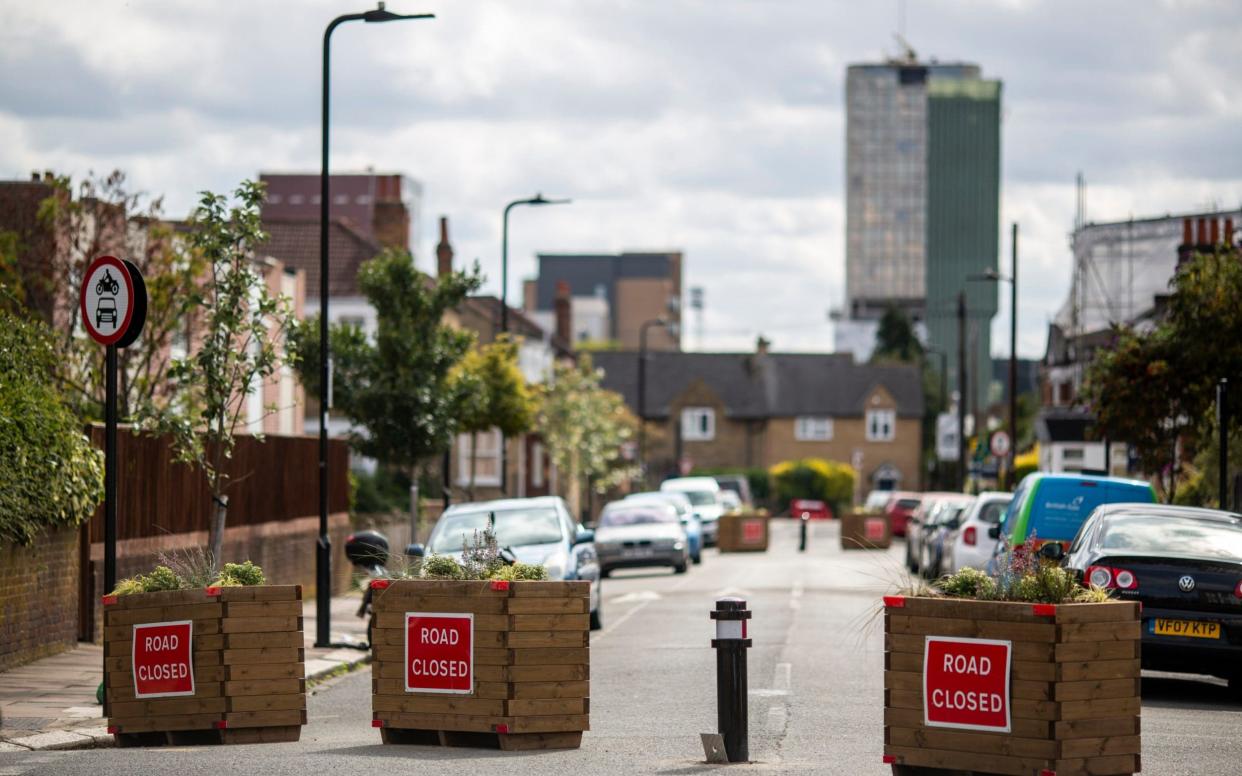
<point>584,536</point>
<point>1052,551</point>
<point>994,532</point>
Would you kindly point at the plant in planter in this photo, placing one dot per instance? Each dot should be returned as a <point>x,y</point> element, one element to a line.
<point>188,662</point>
<point>480,652</point>
<point>1020,673</point>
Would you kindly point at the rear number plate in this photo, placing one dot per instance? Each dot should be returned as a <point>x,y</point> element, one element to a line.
<point>638,552</point>
<point>1191,628</point>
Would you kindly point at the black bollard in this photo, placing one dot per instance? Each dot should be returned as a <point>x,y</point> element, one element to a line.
<point>806,518</point>
<point>732,710</point>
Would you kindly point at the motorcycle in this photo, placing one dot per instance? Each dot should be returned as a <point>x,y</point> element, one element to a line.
<point>107,282</point>
<point>368,551</point>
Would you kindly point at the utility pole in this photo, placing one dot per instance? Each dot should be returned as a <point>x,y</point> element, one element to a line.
<point>1013,364</point>
<point>961,389</point>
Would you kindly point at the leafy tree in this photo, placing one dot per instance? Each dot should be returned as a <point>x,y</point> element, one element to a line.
<point>813,478</point>
<point>895,339</point>
<point>238,345</point>
<point>492,394</point>
<point>50,474</point>
<point>396,388</point>
<point>585,427</point>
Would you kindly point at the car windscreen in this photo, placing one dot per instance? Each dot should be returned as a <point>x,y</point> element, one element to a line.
<point>514,528</point>
<point>616,517</point>
<point>700,498</point>
<point>1172,535</point>
<point>1058,507</point>
<point>991,512</point>
<point>907,503</point>
<point>679,506</point>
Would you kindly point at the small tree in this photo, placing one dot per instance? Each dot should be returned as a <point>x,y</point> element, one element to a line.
<point>813,478</point>
<point>585,427</point>
<point>895,339</point>
<point>493,394</point>
<point>237,345</point>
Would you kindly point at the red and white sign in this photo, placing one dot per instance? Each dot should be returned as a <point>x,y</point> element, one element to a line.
<point>875,528</point>
<point>966,683</point>
<point>999,444</point>
<point>107,300</point>
<point>439,652</point>
<point>163,659</point>
<point>752,530</point>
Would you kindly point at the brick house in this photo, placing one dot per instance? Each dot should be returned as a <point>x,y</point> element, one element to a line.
<point>710,410</point>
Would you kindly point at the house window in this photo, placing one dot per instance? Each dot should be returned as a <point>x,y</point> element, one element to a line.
<point>1074,454</point>
<point>881,425</point>
<point>537,462</point>
<point>698,424</point>
<point>486,462</point>
<point>812,428</point>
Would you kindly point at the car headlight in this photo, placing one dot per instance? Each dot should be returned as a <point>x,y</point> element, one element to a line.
<point>556,568</point>
<point>679,545</point>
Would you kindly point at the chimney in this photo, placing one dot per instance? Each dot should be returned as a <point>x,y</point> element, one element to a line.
<point>34,176</point>
<point>564,322</point>
<point>1228,232</point>
<point>1202,237</point>
<point>444,251</point>
<point>761,346</point>
<point>1215,232</point>
<point>1187,232</point>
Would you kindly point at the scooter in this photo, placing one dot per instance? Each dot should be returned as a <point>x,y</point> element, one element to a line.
<point>368,551</point>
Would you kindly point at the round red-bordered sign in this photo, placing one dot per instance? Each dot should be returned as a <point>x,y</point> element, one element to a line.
<point>107,297</point>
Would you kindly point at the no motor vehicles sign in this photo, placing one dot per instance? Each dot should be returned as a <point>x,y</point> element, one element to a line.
<point>439,652</point>
<point>966,683</point>
<point>163,659</point>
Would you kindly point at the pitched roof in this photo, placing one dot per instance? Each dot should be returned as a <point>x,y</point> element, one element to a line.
<point>761,386</point>
<point>296,243</point>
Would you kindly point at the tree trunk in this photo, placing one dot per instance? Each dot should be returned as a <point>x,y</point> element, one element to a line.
<point>216,544</point>
<point>474,457</point>
<point>573,487</point>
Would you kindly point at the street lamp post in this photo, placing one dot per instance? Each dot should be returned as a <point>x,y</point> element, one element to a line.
<point>994,276</point>
<point>642,392</point>
<point>944,398</point>
<point>323,549</point>
<point>534,201</point>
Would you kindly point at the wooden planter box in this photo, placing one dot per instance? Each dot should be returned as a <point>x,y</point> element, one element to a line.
<point>1074,687</point>
<point>743,532</point>
<point>528,685</point>
<point>865,531</point>
<point>246,648</point>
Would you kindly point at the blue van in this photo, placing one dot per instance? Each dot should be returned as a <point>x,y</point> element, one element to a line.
<point>1053,507</point>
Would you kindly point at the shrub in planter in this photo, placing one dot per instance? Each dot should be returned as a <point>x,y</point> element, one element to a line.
<point>188,663</point>
<point>1022,673</point>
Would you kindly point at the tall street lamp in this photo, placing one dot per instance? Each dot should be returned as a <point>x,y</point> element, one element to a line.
<point>534,201</point>
<point>323,550</point>
<point>642,388</point>
<point>993,276</point>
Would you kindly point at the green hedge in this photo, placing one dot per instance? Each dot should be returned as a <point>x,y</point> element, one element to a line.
<point>50,474</point>
<point>813,478</point>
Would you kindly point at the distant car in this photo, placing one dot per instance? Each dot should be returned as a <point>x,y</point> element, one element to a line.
<point>105,311</point>
<point>919,517</point>
<point>537,530</point>
<point>899,508</point>
<point>730,500</point>
<point>689,520</point>
<point>937,532</point>
<point>704,495</point>
<point>1052,507</point>
<point>876,500</point>
<point>972,545</point>
<point>814,509</point>
<point>632,534</point>
<point>738,484</point>
<point>1184,565</point>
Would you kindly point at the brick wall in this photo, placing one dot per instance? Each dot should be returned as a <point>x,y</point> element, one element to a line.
<point>38,597</point>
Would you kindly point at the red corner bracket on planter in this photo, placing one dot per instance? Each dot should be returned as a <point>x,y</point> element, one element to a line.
<point>221,724</point>
<point>378,723</point>
<point>1044,610</point>
<point>212,591</point>
<point>114,729</point>
<point>501,728</point>
<point>108,600</point>
<point>500,584</point>
<point>889,759</point>
<point>895,601</point>
<point>379,584</point>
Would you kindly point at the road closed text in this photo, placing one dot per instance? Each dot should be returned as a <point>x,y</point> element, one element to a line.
<point>966,683</point>
<point>439,652</point>
<point>163,659</point>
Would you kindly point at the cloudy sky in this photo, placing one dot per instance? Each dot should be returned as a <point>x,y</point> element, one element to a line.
<point>715,127</point>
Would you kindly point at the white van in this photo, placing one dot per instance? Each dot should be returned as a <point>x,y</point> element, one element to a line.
<point>704,495</point>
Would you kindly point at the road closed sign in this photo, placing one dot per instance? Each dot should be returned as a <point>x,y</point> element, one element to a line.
<point>163,659</point>
<point>966,683</point>
<point>439,652</point>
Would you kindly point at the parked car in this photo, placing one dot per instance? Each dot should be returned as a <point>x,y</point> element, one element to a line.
<point>814,509</point>
<point>1184,565</point>
<point>739,485</point>
<point>730,500</point>
<point>631,534</point>
<point>1052,507</point>
<point>919,516</point>
<point>972,546</point>
<point>876,500</point>
<point>689,520</point>
<point>937,532</point>
<point>704,495</point>
<point>899,508</point>
<point>537,530</point>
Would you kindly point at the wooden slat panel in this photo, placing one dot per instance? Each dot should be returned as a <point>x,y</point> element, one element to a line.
<point>546,706</point>
<point>1098,708</point>
<point>233,689</point>
<point>980,629</point>
<point>549,605</point>
<point>1099,747</point>
<point>165,722</point>
<point>430,721</point>
<point>243,719</point>
<point>194,611</point>
<point>525,690</point>
<point>286,702</point>
<point>163,706</point>
<point>261,593</point>
<point>1096,728</point>
<point>551,622</point>
<point>237,657</point>
<point>1022,728</point>
<point>1097,688</point>
<point>986,763</point>
<point>1100,631</point>
<point>550,724</point>
<point>565,638</point>
<point>438,704</point>
<point>285,639</point>
<point>1097,650</point>
<point>1099,766</point>
<point>285,670</point>
<point>260,624</point>
<point>966,741</point>
<point>527,589</point>
<point>263,609</point>
<point>1098,669</point>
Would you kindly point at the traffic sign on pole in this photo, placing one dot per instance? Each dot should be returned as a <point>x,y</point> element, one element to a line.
<point>1000,444</point>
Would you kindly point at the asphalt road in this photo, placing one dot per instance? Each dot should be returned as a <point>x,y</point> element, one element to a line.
<point>815,678</point>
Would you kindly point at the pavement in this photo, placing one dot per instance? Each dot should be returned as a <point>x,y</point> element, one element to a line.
<point>815,681</point>
<point>50,704</point>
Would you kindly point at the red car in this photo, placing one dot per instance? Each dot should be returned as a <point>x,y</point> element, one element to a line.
<point>900,507</point>
<point>815,510</point>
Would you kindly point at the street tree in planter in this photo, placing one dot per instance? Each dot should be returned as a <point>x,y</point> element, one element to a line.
<point>493,394</point>
<point>238,345</point>
<point>396,387</point>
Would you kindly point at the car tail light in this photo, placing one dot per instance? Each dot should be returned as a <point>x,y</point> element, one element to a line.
<point>1237,591</point>
<point>1103,576</point>
<point>970,536</point>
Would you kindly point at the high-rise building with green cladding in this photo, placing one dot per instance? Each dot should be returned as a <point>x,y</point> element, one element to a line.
<point>922,206</point>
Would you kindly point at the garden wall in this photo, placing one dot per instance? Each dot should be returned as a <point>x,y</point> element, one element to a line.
<point>38,597</point>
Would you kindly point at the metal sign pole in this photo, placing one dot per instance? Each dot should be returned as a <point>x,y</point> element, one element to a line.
<point>110,469</point>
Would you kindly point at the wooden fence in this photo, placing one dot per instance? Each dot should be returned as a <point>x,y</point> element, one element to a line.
<point>274,479</point>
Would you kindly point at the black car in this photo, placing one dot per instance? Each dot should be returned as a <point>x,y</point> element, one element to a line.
<point>1185,566</point>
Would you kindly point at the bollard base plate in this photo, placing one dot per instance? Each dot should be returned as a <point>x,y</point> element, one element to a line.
<point>714,748</point>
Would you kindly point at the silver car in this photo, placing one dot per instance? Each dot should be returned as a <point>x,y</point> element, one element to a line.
<point>645,533</point>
